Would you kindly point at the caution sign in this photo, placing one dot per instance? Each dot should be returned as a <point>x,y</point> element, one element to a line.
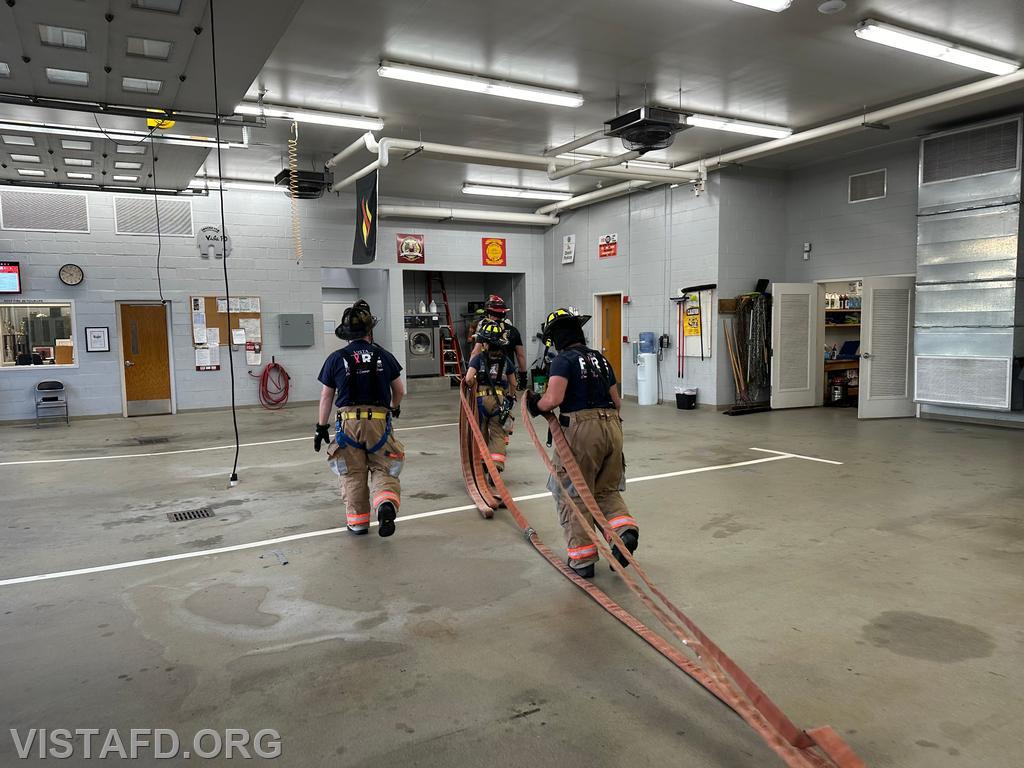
<point>608,246</point>
<point>494,252</point>
<point>691,325</point>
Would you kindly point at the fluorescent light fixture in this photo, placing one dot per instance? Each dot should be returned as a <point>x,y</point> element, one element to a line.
<point>739,126</point>
<point>67,76</point>
<point>141,85</point>
<point>311,116</point>
<point>5,69</point>
<point>167,6</point>
<point>74,175</point>
<point>122,165</point>
<point>81,162</point>
<point>115,134</point>
<point>477,84</point>
<point>62,37</point>
<point>25,158</point>
<point>934,47</point>
<point>131,149</point>
<point>768,5</point>
<point>519,192</point>
<point>82,146</point>
<point>21,141</point>
<point>125,178</point>
<point>149,49</point>
<point>30,172</point>
<point>202,182</point>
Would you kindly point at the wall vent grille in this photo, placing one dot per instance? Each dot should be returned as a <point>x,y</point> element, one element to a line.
<point>795,337</point>
<point>974,152</point>
<point>44,211</point>
<point>979,382</point>
<point>868,186</point>
<point>137,215</point>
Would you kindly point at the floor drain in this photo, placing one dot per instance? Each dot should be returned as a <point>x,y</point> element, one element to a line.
<point>152,440</point>
<point>189,514</point>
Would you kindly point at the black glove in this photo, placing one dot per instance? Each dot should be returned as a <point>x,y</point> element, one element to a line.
<point>532,398</point>
<point>321,436</point>
<point>396,412</point>
<point>521,380</point>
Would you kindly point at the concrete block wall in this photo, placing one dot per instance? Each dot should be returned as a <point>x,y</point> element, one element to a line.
<point>122,268</point>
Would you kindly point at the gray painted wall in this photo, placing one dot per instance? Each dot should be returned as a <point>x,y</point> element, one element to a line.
<point>119,267</point>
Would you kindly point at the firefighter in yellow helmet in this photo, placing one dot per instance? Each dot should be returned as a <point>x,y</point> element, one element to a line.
<point>494,372</point>
<point>582,386</point>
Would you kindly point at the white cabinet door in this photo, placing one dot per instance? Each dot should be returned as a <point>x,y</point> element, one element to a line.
<point>333,310</point>
<point>887,354</point>
<point>795,353</point>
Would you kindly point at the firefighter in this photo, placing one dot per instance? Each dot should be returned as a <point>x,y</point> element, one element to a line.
<point>582,386</point>
<point>362,381</point>
<point>497,310</point>
<point>494,372</point>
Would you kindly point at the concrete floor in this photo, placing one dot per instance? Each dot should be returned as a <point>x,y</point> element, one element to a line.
<point>882,596</point>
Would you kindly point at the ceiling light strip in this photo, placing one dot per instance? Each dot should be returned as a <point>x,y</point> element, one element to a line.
<point>314,116</point>
<point>934,47</point>
<point>522,193</point>
<point>768,5</point>
<point>478,84</point>
<point>120,134</point>
<point>731,125</point>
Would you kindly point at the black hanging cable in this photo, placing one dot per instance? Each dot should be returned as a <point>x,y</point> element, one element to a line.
<point>224,237</point>
<point>159,234</point>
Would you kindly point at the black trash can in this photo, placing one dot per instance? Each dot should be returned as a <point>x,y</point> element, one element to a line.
<point>686,401</point>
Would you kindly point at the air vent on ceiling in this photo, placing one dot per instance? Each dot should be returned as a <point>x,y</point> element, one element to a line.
<point>137,215</point>
<point>647,128</point>
<point>974,382</point>
<point>44,211</point>
<point>867,186</point>
<point>311,184</point>
<point>986,149</point>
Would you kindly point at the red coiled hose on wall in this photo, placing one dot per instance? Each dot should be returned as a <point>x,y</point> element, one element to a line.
<point>274,386</point>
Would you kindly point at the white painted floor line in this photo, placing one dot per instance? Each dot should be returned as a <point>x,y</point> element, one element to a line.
<point>329,531</point>
<point>191,450</point>
<point>798,456</point>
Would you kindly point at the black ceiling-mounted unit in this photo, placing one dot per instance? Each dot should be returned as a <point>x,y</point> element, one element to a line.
<point>647,128</point>
<point>311,184</point>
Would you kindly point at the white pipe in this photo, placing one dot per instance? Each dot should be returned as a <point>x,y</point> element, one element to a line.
<point>464,214</point>
<point>598,162</point>
<point>907,109</point>
<point>569,146</point>
<point>340,185</point>
<point>366,140</point>
<point>591,197</point>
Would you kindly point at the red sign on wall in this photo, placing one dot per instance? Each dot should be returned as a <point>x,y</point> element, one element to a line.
<point>494,252</point>
<point>411,249</point>
<point>607,245</point>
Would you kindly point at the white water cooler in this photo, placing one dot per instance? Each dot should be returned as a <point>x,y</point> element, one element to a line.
<point>647,378</point>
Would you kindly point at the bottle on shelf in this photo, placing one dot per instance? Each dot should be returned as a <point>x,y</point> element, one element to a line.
<point>423,307</point>
<point>433,307</point>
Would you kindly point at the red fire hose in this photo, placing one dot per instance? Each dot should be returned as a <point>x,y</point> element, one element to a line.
<point>274,382</point>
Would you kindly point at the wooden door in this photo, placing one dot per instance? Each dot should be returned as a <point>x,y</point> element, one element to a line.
<point>611,332</point>
<point>147,368</point>
<point>887,349</point>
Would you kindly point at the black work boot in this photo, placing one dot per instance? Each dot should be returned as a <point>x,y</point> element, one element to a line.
<point>632,540</point>
<point>386,515</point>
<point>586,572</point>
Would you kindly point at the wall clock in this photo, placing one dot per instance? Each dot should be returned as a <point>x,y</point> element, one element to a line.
<point>71,274</point>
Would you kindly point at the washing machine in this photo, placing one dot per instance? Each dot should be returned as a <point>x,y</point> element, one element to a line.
<point>422,345</point>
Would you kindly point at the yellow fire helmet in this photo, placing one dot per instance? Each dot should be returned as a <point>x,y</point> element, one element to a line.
<point>490,332</point>
<point>562,315</point>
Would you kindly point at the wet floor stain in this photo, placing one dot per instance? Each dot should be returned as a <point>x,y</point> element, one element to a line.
<point>427,495</point>
<point>213,541</point>
<point>725,525</point>
<point>231,604</point>
<point>931,638</point>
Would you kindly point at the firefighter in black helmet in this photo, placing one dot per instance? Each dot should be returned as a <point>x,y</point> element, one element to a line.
<point>363,381</point>
<point>497,310</point>
<point>494,371</point>
<point>582,386</point>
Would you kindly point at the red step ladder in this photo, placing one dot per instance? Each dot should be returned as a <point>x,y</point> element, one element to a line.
<point>452,363</point>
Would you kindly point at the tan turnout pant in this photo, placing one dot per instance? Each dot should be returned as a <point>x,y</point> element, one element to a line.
<point>595,436</point>
<point>367,479</point>
<point>494,432</point>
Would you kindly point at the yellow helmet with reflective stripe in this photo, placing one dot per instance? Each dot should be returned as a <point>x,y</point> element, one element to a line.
<point>559,316</point>
<point>490,332</point>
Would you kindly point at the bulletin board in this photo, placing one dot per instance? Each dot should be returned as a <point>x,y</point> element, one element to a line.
<point>245,313</point>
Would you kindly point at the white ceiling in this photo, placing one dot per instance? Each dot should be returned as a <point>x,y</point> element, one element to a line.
<point>798,68</point>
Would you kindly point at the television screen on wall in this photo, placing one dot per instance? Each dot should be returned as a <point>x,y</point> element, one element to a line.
<point>10,277</point>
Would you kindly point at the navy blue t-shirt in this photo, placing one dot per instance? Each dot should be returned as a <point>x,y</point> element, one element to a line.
<point>336,374</point>
<point>583,385</point>
<point>487,369</point>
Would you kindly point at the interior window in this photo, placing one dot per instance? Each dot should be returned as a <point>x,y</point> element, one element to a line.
<point>37,334</point>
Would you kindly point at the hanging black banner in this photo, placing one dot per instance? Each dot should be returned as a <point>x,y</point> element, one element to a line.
<point>364,251</point>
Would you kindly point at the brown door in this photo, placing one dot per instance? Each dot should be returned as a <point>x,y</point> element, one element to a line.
<point>611,332</point>
<point>147,370</point>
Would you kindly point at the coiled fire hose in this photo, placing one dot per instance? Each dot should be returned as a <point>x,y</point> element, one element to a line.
<point>714,670</point>
<point>274,384</point>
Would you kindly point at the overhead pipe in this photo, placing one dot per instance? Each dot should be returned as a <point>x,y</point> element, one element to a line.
<point>464,214</point>
<point>569,146</point>
<point>598,162</point>
<point>591,197</point>
<point>367,140</point>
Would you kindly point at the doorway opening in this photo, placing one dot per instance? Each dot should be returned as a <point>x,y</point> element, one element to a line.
<point>608,330</point>
<point>147,366</point>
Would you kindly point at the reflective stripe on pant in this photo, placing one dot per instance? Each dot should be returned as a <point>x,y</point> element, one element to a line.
<point>497,436</point>
<point>595,436</point>
<point>369,473</point>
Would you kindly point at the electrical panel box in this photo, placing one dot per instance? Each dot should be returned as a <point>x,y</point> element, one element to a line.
<point>296,330</point>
